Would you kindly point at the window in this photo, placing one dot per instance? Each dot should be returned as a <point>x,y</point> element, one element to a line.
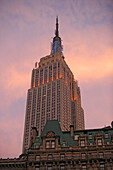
<point>62,167</point>
<point>82,143</point>
<point>50,157</point>
<point>83,167</point>
<point>83,156</point>
<point>102,167</point>
<point>64,144</point>
<point>101,155</point>
<point>106,135</point>
<point>62,156</point>
<point>37,168</point>
<point>91,143</point>
<point>76,137</point>
<point>37,146</point>
<point>49,168</point>
<point>90,136</point>
<point>47,144</point>
<point>99,142</point>
<point>53,144</point>
<point>38,158</point>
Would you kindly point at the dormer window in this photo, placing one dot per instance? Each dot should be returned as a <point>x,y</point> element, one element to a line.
<point>63,144</point>
<point>47,144</point>
<point>106,135</point>
<point>76,137</point>
<point>50,144</point>
<point>90,136</point>
<point>91,143</point>
<point>82,143</point>
<point>53,144</point>
<point>99,142</point>
<point>50,140</point>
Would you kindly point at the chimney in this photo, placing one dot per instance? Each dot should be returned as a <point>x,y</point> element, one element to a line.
<point>72,130</point>
<point>34,134</point>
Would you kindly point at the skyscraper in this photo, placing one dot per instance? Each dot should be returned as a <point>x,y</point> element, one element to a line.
<point>54,94</point>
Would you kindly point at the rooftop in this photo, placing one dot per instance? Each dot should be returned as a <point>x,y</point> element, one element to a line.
<point>65,137</point>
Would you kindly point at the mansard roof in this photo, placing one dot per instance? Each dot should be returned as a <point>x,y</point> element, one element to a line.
<point>65,137</point>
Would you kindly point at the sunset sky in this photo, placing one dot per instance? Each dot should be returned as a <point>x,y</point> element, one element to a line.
<point>26,31</point>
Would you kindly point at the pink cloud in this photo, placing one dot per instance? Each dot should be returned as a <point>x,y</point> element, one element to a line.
<point>13,84</point>
<point>26,31</point>
<point>11,132</point>
<point>91,68</point>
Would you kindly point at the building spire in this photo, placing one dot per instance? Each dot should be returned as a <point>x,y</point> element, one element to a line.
<point>57,32</point>
<point>56,45</point>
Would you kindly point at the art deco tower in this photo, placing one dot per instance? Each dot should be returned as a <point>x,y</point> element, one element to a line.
<point>54,94</point>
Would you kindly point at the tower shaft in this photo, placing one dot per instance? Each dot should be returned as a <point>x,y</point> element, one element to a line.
<point>53,95</point>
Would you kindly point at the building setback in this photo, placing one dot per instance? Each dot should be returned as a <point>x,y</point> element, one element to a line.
<point>55,149</point>
<point>54,94</point>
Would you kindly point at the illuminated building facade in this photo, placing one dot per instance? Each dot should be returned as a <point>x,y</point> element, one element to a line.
<point>54,94</point>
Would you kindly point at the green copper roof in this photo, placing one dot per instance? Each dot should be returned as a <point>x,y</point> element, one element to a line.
<point>53,125</point>
<point>67,139</point>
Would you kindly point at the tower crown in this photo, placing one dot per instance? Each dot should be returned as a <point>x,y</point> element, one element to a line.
<point>56,45</point>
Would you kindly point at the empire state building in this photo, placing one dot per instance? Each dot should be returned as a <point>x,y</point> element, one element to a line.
<point>54,94</point>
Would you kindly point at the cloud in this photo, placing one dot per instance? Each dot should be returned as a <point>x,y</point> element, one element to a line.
<point>86,68</point>
<point>12,139</point>
<point>87,50</point>
<point>88,12</point>
<point>97,101</point>
<point>13,85</point>
<point>89,53</point>
<point>25,34</point>
<point>11,129</point>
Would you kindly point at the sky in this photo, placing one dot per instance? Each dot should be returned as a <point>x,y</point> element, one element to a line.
<point>26,31</point>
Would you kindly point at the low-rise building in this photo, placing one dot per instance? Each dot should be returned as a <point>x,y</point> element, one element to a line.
<point>56,149</point>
